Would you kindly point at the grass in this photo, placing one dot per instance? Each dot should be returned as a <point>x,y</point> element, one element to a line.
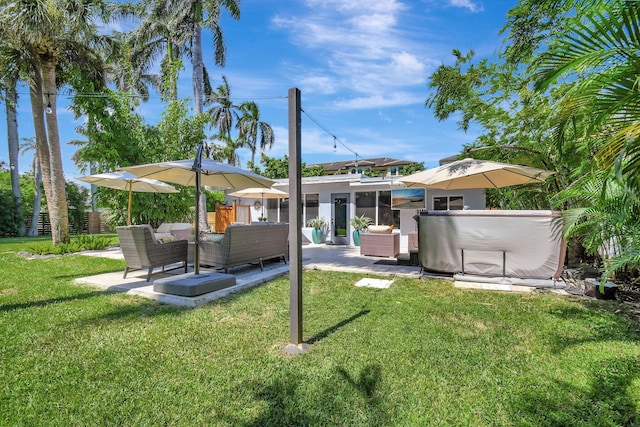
<point>419,353</point>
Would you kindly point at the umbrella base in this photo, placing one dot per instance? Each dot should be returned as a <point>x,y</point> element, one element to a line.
<point>190,284</point>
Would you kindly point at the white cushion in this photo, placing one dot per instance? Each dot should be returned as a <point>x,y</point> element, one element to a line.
<point>180,226</point>
<point>161,236</point>
<point>165,227</point>
<point>379,229</point>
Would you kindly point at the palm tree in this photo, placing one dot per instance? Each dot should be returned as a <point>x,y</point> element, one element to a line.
<point>207,15</point>
<point>223,115</point>
<point>162,36</point>
<point>29,144</point>
<point>52,35</point>
<point>171,29</point>
<point>251,127</point>
<point>600,52</point>
<point>9,71</point>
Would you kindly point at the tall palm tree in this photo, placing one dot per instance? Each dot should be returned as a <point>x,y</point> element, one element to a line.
<point>252,129</point>
<point>53,35</point>
<point>161,35</point>
<point>9,76</point>
<point>224,113</point>
<point>171,29</point>
<point>29,144</point>
<point>206,14</point>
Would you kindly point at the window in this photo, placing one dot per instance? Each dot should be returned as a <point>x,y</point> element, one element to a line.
<point>284,210</point>
<point>272,210</point>
<point>366,204</point>
<point>448,203</point>
<point>311,203</point>
<point>394,171</point>
<point>386,215</point>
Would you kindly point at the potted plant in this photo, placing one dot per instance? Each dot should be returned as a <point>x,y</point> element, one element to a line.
<point>359,224</point>
<point>318,224</point>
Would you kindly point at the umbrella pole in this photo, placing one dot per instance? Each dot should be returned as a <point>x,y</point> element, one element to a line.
<point>197,167</point>
<point>129,206</point>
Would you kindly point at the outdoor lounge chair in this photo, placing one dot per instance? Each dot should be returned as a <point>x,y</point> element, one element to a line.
<point>141,250</point>
<point>380,244</point>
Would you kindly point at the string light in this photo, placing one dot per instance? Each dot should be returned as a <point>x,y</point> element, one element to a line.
<point>335,138</point>
<point>48,110</point>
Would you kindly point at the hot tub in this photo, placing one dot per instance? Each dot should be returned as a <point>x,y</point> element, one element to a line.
<point>526,244</point>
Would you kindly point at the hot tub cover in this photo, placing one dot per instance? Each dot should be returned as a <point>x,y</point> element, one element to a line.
<point>525,244</point>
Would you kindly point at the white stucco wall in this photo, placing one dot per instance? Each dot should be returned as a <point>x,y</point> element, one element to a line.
<point>325,187</point>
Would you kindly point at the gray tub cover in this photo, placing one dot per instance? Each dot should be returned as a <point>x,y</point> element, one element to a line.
<point>525,244</point>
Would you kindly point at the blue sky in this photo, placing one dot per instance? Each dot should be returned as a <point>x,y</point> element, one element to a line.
<point>362,67</point>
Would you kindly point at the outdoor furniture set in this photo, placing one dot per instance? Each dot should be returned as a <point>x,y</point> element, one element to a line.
<point>240,244</point>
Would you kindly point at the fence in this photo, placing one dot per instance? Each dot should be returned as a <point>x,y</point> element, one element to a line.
<point>93,223</point>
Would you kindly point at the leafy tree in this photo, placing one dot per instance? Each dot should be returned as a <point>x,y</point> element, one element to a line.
<point>120,138</point>
<point>412,168</point>
<point>279,168</point>
<point>513,121</point>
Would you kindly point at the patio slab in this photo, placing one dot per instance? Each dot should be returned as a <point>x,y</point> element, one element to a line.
<point>136,284</point>
<point>315,257</point>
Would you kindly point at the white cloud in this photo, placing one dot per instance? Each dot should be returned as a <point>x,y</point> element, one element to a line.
<point>392,99</point>
<point>364,48</point>
<point>468,4</point>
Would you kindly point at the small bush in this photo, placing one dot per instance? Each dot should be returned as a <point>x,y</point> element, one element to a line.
<point>93,243</point>
<point>77,244</point>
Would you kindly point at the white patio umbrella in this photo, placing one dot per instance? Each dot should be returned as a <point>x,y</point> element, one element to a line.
<point>260,193</point>
<point>200,172</point>
<point>472,173</point>
<point>121,180</point>
<point>213,174</point>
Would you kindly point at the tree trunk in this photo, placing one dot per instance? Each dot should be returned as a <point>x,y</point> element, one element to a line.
<point>196,62</point>
<point>42,146</point>
<point>59,224</point>
<point>14,149</point>
<point>198,97</point>
<point>37,196</point>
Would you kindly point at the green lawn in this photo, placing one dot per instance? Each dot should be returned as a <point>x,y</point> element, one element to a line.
<point>418,353</point>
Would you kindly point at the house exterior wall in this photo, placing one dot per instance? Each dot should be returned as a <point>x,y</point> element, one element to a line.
<point>351,184</point>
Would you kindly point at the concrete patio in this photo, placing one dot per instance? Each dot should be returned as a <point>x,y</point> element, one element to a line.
<point>315,257</point>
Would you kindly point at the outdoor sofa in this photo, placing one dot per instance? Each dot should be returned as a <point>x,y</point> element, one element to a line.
<point>245,244</point>
<point>141,249</point>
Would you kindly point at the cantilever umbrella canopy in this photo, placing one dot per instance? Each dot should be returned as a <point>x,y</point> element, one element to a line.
<point>212,174</point>
<point>472,173</point>
<point>197,172</point>
<point>121,180</point>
